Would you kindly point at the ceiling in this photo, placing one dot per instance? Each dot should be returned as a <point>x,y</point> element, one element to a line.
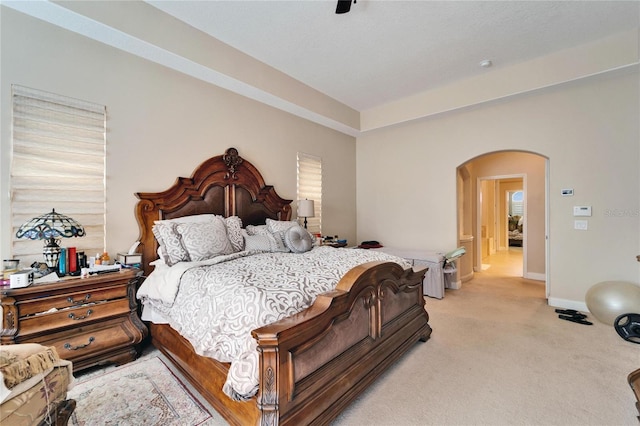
<point>382,51</point>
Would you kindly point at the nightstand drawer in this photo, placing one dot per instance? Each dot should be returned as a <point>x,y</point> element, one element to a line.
<point>70,317</point>
<point>93,339</point>
<point>43,304</point>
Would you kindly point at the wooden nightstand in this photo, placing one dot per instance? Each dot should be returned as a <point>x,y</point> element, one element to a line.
<point>90,321</point>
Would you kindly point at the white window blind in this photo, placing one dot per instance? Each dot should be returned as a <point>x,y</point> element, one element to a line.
<point>310,187</point>
<point>516,204</point>
<point>58,162</point>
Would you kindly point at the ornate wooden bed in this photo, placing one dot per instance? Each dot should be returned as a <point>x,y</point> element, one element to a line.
<point>314,363</point>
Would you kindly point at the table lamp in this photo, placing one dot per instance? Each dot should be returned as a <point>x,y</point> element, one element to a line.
<point>305,209</point>
<point>51,227</point>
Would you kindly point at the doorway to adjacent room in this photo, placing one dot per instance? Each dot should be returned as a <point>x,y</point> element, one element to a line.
<point>501,217</point>
<point>502,208</point>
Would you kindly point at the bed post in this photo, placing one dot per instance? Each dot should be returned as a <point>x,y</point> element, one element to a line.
<point>267,397</point>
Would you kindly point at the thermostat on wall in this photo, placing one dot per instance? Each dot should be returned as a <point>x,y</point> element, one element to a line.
<point>567,192</point>
<point>582,210</point>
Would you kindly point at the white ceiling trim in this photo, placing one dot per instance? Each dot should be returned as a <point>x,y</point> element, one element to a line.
<point>80,24</point>
<point>619,70</point>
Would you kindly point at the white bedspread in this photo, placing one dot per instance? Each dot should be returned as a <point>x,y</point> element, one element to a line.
<point>217,303</point>
<point>161,286</point>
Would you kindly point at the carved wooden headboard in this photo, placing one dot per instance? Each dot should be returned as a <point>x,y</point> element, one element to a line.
<point>227,185</point>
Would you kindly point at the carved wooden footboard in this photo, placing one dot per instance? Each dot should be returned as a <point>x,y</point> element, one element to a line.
<point>314,363</point>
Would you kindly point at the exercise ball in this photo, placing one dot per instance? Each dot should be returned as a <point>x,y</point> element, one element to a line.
<point>609,299</point>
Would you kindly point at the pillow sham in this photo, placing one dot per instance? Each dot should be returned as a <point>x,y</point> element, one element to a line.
<point>280,225</point>
<point>169,241</point>
<point>188,219</point>
<point>257,230</point>
<point>265,242</point>
<point>205,240</point>
<point>234,232</point>
<point>297,239</point>
<point>170,248</point>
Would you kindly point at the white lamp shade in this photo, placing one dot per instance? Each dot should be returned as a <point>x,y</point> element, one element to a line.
<point>305,208</point>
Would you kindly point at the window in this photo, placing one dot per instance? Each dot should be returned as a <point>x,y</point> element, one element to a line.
<point>516,203</point>
<point>310,187</point>
<point>58,162</point>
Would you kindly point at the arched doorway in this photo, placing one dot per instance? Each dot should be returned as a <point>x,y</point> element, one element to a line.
<point>484,213</point>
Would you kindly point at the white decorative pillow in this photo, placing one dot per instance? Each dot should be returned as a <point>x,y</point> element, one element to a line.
<point>266,242</point>
<point>188,219</point>
<point>280,225</point>
<point>297,239</point>
<point>257,230</point>
<point>170,248</point>
<point>170,245</point>
<point>161,257</point>
<point>205,240</point>
<point>234,232</point>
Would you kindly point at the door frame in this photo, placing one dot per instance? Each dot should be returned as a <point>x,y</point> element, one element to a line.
<point>478,242</point>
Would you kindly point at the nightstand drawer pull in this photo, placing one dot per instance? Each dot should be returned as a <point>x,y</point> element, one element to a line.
<point>74,317</point>
<point>68,346</point>
<point>86,298</point>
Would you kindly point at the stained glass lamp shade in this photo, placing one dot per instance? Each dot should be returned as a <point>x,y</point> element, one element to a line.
<point>51,227</point>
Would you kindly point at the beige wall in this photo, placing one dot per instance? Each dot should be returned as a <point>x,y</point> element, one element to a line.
<point>588,130</point>
<point>162,124</point>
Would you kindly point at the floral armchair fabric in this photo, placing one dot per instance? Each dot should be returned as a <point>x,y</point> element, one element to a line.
<point>33,386</point>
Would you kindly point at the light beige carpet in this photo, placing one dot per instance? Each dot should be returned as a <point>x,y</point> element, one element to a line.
<point>499,355</point>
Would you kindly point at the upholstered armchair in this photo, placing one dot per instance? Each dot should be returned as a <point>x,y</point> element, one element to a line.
<point>33,389</point>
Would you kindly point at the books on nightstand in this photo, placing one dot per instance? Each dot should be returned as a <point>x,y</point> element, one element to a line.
<point>130,258</point>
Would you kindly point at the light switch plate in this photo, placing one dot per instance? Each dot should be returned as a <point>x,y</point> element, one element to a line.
<point>582,210</point>
<point>582,225</point>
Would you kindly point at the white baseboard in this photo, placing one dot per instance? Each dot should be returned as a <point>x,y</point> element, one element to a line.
<point>535,276</point>
<point>567,304</point>
<point>467,277</point>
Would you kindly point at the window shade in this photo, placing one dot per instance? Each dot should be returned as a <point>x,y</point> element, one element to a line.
<point>310,187</point>
<point>516,204</point>
<point>58,162</point>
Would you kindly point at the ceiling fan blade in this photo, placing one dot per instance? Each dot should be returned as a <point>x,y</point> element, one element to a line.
<point>343,6</point>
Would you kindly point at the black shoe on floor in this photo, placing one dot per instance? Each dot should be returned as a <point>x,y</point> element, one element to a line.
<point>568,312</point>
<point>577,316</point>
<point>579,320</point>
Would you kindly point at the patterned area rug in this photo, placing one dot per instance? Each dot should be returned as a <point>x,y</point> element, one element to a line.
<point>142,393</point>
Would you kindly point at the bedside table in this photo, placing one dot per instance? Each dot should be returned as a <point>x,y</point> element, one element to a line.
<point>90,321</point>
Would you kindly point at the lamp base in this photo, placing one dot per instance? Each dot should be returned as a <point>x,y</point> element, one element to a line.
<point>51,252</point>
